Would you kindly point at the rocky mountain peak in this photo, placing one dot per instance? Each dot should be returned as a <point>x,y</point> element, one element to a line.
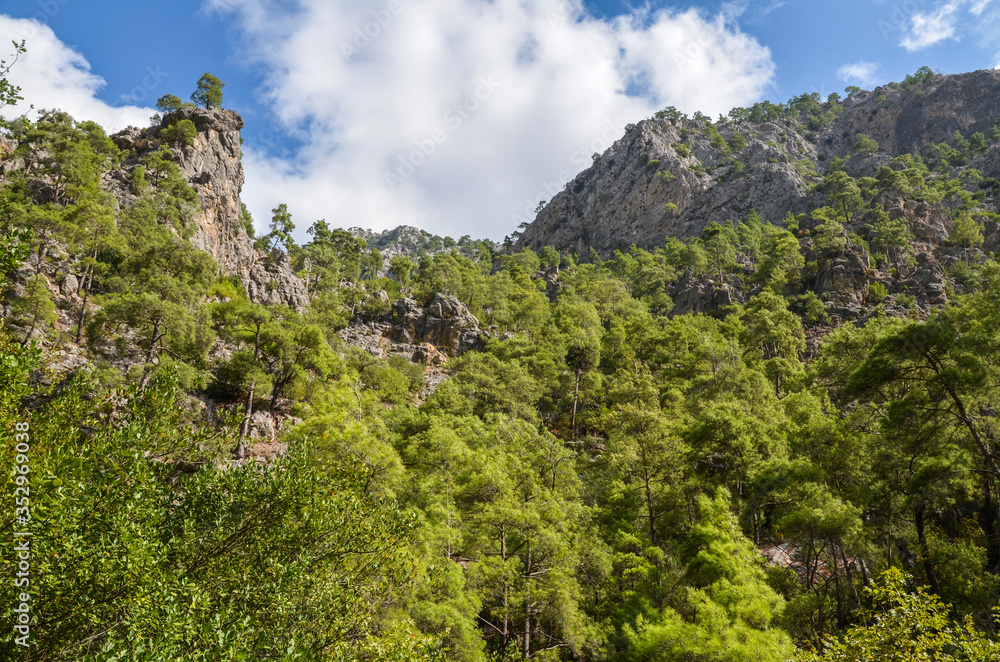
<point>671,175</point>
<point>212,165</point>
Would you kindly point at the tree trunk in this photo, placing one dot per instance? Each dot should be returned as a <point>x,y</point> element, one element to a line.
<point>649,506</point>
<point>150,355</point>
<point>241,449</point>
<point>505,601</point>
<point>925,551</point>
<point>527,612</point>
<point>83,308</point>
<point>576,398</point>
<point>988,522</point>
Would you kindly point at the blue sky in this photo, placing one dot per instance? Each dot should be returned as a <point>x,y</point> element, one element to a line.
<point>460,115</point>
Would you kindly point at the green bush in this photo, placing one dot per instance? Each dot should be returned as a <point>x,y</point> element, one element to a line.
<point>877,292</point>
<point>183,131</point>
<point>139,182</point>
<point>144,552</point>
<point>907,301</point>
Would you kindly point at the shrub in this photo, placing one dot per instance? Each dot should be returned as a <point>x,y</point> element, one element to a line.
<point>183,131</point>
<point>866,145</point>
<point>877,292</point>
<point>139,182</point>
<point>907,301</point>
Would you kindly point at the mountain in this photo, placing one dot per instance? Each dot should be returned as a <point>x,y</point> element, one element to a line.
<point>414,242</point>
<point>673,176</point>
<point>753,441</point>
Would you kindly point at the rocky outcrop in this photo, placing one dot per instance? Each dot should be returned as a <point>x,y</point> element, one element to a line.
<point>674,176</point>
<point>927,282</point>
<point>663,179</point>
<point>212,166</point>
<point>842,283</point>
<point>445,323</point>
<point>423,334</point>
<point>702,295</point>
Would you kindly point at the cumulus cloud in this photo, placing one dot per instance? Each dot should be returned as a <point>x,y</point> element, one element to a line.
<point>862,72</point>
<point>54,76</point>
<point>461,115</point>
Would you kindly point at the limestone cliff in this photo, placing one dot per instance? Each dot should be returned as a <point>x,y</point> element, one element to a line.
<point>213,167</point>
<point>672,176</point>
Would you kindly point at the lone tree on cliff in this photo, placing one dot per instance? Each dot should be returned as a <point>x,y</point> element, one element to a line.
<point>209,92</point>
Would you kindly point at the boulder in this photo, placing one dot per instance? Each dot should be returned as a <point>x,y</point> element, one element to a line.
<point>445,323</point>
<point>694,294</point>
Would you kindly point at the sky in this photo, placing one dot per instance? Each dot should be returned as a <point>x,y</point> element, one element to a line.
<point>460,116</point>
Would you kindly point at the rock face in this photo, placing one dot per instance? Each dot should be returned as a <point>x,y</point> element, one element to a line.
<point>702,295</point>
<point>673,177</point>
<point>423,334</point>
<point>213,168</point>
<point>843,284</point>
<point>445,323</point>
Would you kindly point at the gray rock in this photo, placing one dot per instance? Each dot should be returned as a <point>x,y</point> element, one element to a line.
<point>665,179</point>
<point>213,167</point>
<point>445,323</point>
<point>261,426</point>
<point>69,285</point>
<point>927,282</point>
<point>701,295</point>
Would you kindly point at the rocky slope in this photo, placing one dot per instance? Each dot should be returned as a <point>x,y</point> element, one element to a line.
<point>672,176</point>
<point>213,168</point>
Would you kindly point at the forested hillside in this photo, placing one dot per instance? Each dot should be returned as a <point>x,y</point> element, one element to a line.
<point>761,440</point>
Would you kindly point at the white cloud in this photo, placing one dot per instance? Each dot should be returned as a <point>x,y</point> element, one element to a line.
<point>460,115</point>
<point>861,71</point>
<point>927,29</point>
<point>54,76</point>
<point>977,8</point>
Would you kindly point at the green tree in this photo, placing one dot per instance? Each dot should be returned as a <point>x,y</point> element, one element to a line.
<point>183,131</point>
<point>844,193</point>
<point>143,562</point>
<point>966,232</point>
<point>773,334</point>
<point>15,247</point>
<point>906,626</point>
<point>168,103</point>
<point>892,234</point>
<point>10,94</point>
<point>401,267</point>
<point>729,613</point>
<point>293,351</point>
<point>34,311</point>
<point>209,92</point>
<point>865,145</point>
<point>281,228</point>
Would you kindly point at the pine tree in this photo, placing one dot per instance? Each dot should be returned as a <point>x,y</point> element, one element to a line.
<point>209,92</point>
